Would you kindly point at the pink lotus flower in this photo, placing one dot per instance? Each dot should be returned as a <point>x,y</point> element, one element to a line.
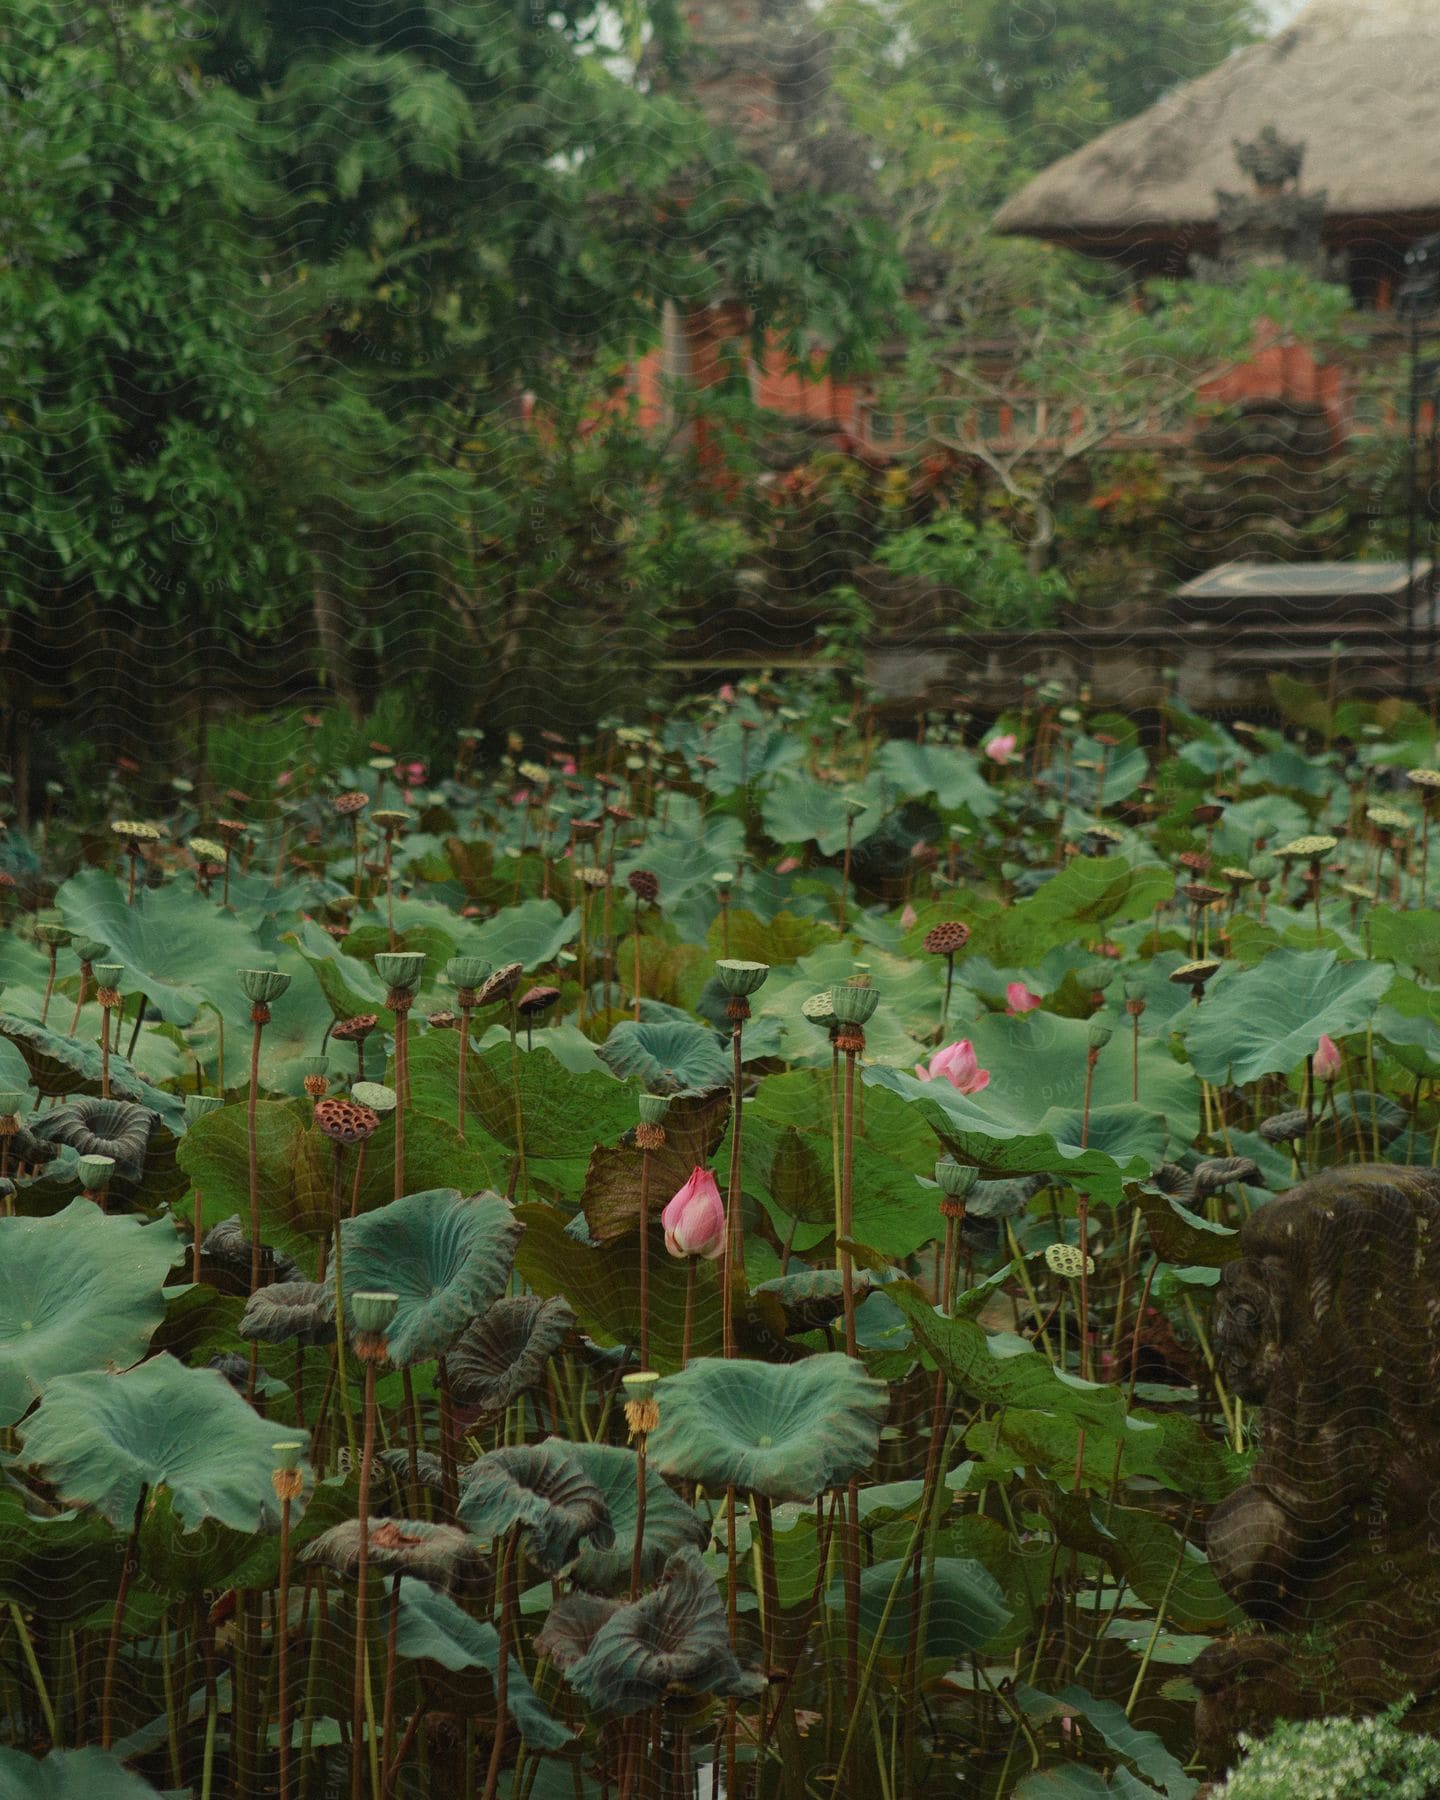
<point>787,865</point>
<point>958,1065</point>
<point>909,919</point>
<point>1328,1060</point>
<point>694,1219</point>
<point>1001,747</point>
<point>727,691</point>
<point>1019,999</point>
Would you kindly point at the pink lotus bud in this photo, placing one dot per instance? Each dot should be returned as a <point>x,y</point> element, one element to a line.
<point>694,1219</point>
<point>787,865</point>
<point>1001,747</point>
<point>957,1064</point>
<point>909,919</point>
<point>727,691</point>
<point>1019,999</point>
<point>1329,1059</point>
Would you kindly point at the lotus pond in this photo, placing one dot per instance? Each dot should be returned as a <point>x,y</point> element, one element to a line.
<point>680,1265</point>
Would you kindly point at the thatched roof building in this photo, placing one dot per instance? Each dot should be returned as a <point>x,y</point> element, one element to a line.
<point>1357,82</point>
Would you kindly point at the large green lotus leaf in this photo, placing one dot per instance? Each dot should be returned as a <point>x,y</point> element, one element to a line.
<point>99,1438</point>
<point>669,1523</point>
<point>506,1353</point>
<point>602,1283</point>
<point>753,757</point>
<point>72,1775</point>
<point>1001,1369</point>
<point>534,932</point>
<point>787,1431</point>
<point>294,1164</point>
<point>694,1128</point>
<point>1089,894</point>
<point>215,1557</point>
<point>1125,767</point>
<point>1165,1004</point>
<point>445,1257</point>
<point>433,1627</point>
<point>1266,1020</point>
<point>177,948</point>
<point>952,776</point>
<point>673,1639</point>
<point>564,1040</point>
<point>803,812</point>
<point>564,1116</point>
<point>964,1608</point>
<point>1411,939</point>
<point>682,856</point>
<point>62,1567</point>
<point>78,1290</point>
<point>784,938</point>
<point>1268,816</point>
<point>909,1005</point>
<point>1110,1722</point>
<point>1001,1138</point>
<point>62,1065</point>
<point>348,984</point>
<point>671,1057</point>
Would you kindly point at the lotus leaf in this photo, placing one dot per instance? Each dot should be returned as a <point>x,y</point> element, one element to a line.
<point>669,1523</point>
<point>430,1552</point>
<point>289,1312</point>
<point>672,1057</point>
<point>446,1258</point>
<point>227,1246</point>
<point>70,1775</point>
<point>1266,1020</point>
<point>430,1624</point>
<point>965,1609</point>
<point>100,1438</point>
<point>787,1431</point>
<point>78,1290</point>
<point>119,1129</point>
<point>570,1627</point>
<point>672,1641</point>
<point>543,1490</point>
<point>504,1353</point>
<point>814,1298</point>
<point>64,1065</point>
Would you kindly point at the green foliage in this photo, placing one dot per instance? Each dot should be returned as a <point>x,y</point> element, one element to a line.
<point>1353,1759</point>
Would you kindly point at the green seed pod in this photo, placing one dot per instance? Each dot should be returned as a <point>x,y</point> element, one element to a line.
<point>89,950</point>
<point>653,1108</point>
<point>261,986</point>
<point>1099,1034</point>
<point>373,1312</point>
<point>954,1179</point>
<point>853,1005</point>
<point>108,974</point>
<point>288,1454</point>
<point>467,971</point>
<point>200,1106</point>
<point>400,969</point>
<point>739,978</point>
<point>375,1095</point>
<point>95,1172</point>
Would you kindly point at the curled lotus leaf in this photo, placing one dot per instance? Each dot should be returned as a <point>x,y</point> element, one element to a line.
<point>91,1126</point>
<point>447,1260</point>
<point>504,1353</point>
<point>227,1246</point>
<point>79,1290</point>
<point>542,1489</point>
<point>570,1627</point>
<point>671,1056</point>
<point>289,1312</point>
<point>101,1440</point>
<point>787,1431</point>
<point>671,1642</point>
<point>429,1470</point>
<point>1218,1172</point>
<point>669,1523</point>
<point>813,1298</point>
<point>433,1553</point>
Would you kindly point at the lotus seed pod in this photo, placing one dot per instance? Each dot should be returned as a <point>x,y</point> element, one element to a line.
<point>1099,1034</point>
<point>741,978</point>
<point>467,971</point>
<point>261,986</point>
<point>955,1180</point>
<point>95,1172</point>
<point>287,1455</point>
<point>89,950</point>
<point>56,936</point>
<point>653,1108</point>
<point>200,1106</point>
<point>853,1004</point>
<point>400,970</point>
<point>14,1103</point>
<point>108,974</point>
<point>374,1095</point>
<point>372,1311</point>
<point>1068,1260</point>
<point>818,1010</point>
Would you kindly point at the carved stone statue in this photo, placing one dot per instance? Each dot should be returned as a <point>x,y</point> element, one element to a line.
<point>1275,224</point>
<point>1329,1321</point>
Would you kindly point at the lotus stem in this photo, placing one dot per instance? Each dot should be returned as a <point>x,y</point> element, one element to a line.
<point>692,1264</point>
<point>845,871</point>
<point>112,1652</point>
<point>502,1665</point>
<point>359,866</point>
<point>259,1016</point>
<point>449,1481</point>
<point>645,1259</point>
<point>733,1268</point>
<point>392,1625</point>
<point>282,1629</point>
<point>362,1594</point>
<point>519,1176</point>
<point>637,959</point>
<point>637,1554</point>
<point>32,1663</point>
<point>49,986</point>
<point>464,1060</point>
<point>105,1053</point>
<point>847,1201</point>
<point>341,1378</point>
<point>79,999</point>
<point>399,1001</point>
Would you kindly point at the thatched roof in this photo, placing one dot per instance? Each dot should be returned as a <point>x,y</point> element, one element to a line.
<point>1358,81</point>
